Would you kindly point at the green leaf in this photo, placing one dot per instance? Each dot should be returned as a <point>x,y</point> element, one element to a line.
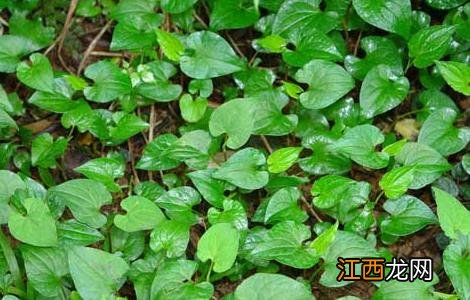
<point>345,244</point>
<point>54,102</point>
<point>445,4</point>
<point>38,219</point>
<point>155,81</point>
<point>177,7</point>
<point>297,17</point>
<point>379,50</point>
<point>428,163</point>
<point>315,45</point>
<point>456,74</point>
<point>284,242</point>
<point>192,111</point>
<point>359,143</point>
<point>327,81</point>
<point>33,30</point>
<point>157,154</point>
<point>170,45</point>
<point>322,242</point>
<point>45,269</point>
<point>439,133</point>
<point>407,215</point>
<point>45,151</point>
<point>12,48</point>
<point>210,188</point>
<point>96,274</point>
<point>202,86</point>
<point>283,206</point>
<point>84,197</point>
<point>233,213</point>
<point>38,75</point>
<point>274,287</point>
<point>454,218</point>
<point>396,290</point>
<point>339,195</point>
<point>466,163</point>
<point>178,203</point>
<point>243,169</point>
<point>382,90</point>
<point>126,125</point>
<point>389,15</point>
<point>227,119</point>
<point>208,55</point>
<point>232,14</point>
<point>141,214</point>
<point>74,233</point>
<point>397,181</point>
<point>219,244</point>
<point>456,264</point>
<point>104,170</point>
<point>9,183</point>
<point>432,100</point>
<point>282,159</point>
<point>171,237</point>
<point>430,44</point>
<point>110,82</point>
<point>173,281</point>
<point>6,121</point>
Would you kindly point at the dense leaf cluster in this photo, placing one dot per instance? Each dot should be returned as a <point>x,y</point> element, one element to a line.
<point>235,143</point>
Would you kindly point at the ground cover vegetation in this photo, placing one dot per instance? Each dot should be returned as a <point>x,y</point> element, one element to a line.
<point>232,149</point>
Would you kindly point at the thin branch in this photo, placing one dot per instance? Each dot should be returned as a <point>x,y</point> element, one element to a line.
<point>310,209</point>
<point>200,20</point>
<point>131,155</point>
<point>60,39</point>
<point>151,130</point>
<point>108,54</point>
<point>266,144</point>
<point>4,22</point>
<point>92,45</point>
<point>235,46</point>
<point>356,46</point>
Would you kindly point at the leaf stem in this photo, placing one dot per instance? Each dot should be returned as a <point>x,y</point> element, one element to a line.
<point>378,197</point>
<point>11,261</point>
<point>208,276</point>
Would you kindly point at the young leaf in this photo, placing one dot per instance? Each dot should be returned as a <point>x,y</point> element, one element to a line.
<point>141,214</point>
<point>275,287</point>
<point>282,159</point>
<point>192,111</point>
<point>327,81</point>
<point>219,244</point>
<point>170,45</point>
<point>38,219</point>
<point>243,169</point>
<point>430,44</point>
<point>454,218</point>
<point>456,74</point>
<point>397,181</point>
<point>382,90</point>
<point>96,274</point>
